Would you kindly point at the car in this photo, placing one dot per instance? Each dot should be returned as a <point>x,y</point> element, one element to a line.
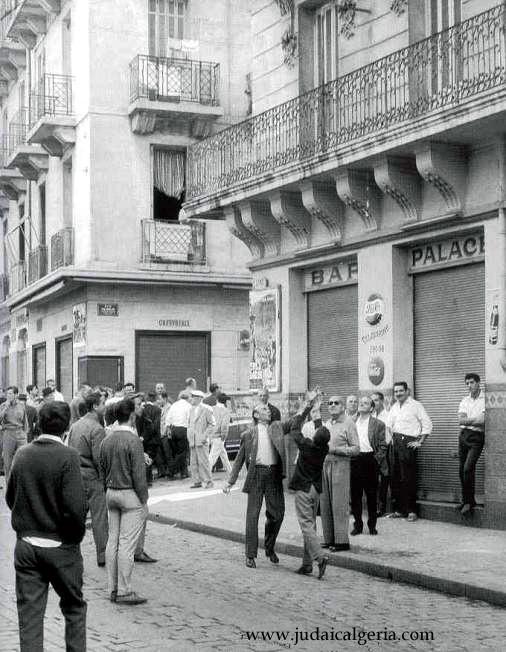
<point>233,440</point>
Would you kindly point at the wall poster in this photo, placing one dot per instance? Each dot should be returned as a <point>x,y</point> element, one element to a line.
<point>265,339</point>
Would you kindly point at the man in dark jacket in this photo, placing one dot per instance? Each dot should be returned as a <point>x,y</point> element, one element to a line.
<point>307,484</point>
<point>46,496</point>
<point>148,427</point>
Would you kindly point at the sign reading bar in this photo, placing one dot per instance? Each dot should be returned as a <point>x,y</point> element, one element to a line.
<point>108,309</point>
<point>447,251</point>
<point>174,323</point>
<point>340,272</point>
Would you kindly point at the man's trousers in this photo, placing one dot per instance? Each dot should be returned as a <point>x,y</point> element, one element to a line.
<point>306,508</point>
<point>403,480</point>
<point>36,568</point>
<point>199,464</point>
<point>364,479</point>
<point>335,499</point>
<point>218,450</point>
<point>470,446</point>
<point>127,516</point>
<point>269,484</point>
<point>95,495</point>
<point>180,447</point>
<point>12,440</point>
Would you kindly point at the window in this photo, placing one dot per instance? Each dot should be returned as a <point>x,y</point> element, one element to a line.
<point>168,183</point>
<point>326,53</point>
<point>42,214</point>
<point>166,20</point>
<point>446,55</point>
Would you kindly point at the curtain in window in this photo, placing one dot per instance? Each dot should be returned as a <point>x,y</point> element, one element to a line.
<point>169,172</point>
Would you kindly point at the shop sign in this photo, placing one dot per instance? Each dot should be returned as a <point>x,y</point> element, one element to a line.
<point>493,303</point>
<point>260,283</point>
<point>340,272</point>
<point>174,323</point>
<point>108,309</point>
<point>376,370</point>
<point>461,248</point>
<point>374,309</point>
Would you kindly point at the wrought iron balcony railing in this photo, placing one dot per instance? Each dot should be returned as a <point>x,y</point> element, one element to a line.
<point>18,129</point>
<point>37,263</point>
<point>18,277</point>
<point>440,71</point>
<point>4,149</point>
<point>53,97</point>
<point>174,80</point>
<point>4,287</point>
<point>164,242</point>
<point>62,248</point>
<point>8,6</point>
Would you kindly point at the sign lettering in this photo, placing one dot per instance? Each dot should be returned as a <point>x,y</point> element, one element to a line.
<point>341,272</point>
<point>459,248</point>
<point>174,323</point>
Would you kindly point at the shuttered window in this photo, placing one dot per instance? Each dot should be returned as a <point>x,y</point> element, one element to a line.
<point>170,358</point>
<point>449,312</point>
<point>166,21</point>
<point>64,368</point>
<point>39,365</point>
<point>333,340</point>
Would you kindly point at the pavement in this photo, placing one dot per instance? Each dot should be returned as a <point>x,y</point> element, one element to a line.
<point>453,559</point>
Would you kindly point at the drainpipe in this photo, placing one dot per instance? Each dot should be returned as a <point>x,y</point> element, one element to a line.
<point>501,262</point>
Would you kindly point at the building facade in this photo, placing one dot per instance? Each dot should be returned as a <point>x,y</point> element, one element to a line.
<point>369,187</point>
<point>103,279</point>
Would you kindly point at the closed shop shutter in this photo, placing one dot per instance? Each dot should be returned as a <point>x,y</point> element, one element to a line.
<point>170,358</point>
<point>64,368</point>
<point>449,312</point>
<point>105,371</point>
<point>333,340</point>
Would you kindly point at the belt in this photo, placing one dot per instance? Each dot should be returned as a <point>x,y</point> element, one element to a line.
<point>266,466</point>
<point>399,434</point>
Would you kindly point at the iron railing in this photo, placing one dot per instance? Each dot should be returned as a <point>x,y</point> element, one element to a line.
<point>4,149</point>
<point>37,263</point>
<point>18,129</point>
<point>438,72</point>
<point>18,277</point>
<point>52,97</point>
<point>4,287</point>
<point>164,242</point>
<point>62,248</point>
<point>174,80</point>
<point>7,7</point>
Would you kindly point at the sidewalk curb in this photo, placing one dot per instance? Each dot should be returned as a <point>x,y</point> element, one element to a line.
<point>351,561</point>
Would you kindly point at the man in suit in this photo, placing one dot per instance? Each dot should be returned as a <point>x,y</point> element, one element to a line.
<point>149,429</point>
<point>201,425</point>
<point>263,451</point>
<point>365,467</point>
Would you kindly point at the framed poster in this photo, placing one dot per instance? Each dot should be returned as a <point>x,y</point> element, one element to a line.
<point>79,319</point>
<point>265,339</point>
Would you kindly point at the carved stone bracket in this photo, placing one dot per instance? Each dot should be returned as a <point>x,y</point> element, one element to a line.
<point>258,220</point>
<point>357,190</point>
<point>444,167</point>
<point>237,228</point>
<point>323,204</point>
<point>143,122</point>
<point>288,211</point>
<point>399,179</point>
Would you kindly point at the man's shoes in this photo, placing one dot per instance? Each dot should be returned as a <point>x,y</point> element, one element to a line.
<point>395,515</point>
<point>250,562</point>
<point>322,565</point>
<point>197,485</point>
<point>273,557</point>
<point>208,485</point>
<point>145,558</point>
<point>356,531</point>
<point>113,596</point>
<point>130,598</point>
<point>304,570</point>
<point>339,547</point>
<point>373,530</point>
<point>466,509</point>
<point>412,517</point>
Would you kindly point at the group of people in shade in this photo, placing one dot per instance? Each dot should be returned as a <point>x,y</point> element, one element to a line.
<point>362,449</point>
<point>94,455</point>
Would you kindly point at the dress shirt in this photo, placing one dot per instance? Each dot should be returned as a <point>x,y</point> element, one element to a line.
<point>266,454</point>
<point>178,414</point>
<point>363,435</point>
<point>473,408</point>
<point>409,419</point>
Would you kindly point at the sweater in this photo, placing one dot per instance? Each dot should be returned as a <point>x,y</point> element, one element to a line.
<point>45,492</point>
<point>308,470</point>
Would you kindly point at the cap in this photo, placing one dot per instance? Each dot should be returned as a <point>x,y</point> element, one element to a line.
<point>197,392</point>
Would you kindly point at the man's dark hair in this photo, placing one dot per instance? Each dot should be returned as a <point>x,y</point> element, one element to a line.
<point>92,401</point>
<point>223,398</point>
<point>129,384</point>
<point>118,387</point>
<point>401,383</point>
<point>54,418</point>
<point>47,391</point>
<point>124,409</point>
<point>29,388</point>
<point>213,387</point>
<point>380,394</point>
<point>151,396</point>
<point>472,376</point>
<point>14,389</point>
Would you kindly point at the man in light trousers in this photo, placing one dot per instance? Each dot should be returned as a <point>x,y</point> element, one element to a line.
<point>222,416</point>
<point>201,425</point>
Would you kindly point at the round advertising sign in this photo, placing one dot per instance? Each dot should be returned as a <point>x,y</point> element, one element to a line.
<point>376,370</point>
<point>374,309</point>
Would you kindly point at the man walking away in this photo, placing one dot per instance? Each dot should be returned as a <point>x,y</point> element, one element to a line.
<point>86,437</point>
<point>471,439</point>
<point>14,423</point>
<point>201,424</point>
<point>78,400</point>
<point>177,422</point>
<point>46,496</point>
<point>122,469</point>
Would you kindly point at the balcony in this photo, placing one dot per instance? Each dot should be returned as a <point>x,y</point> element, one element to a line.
<point>164,242</point>
<point>31,160</point>
<point>51,115</point>
<point>28,19</point>
<point>436,86</point>
<point>37,263</point>
<point>12,53</point>
<point>173,93</point>
<point>17,277</point>
<point>4,287</point>
<point>62,248</point>
<point>12,183</point>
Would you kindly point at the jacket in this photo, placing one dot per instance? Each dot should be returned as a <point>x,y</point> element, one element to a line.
<point>86,436</point>
<point>308,470</point>
<point>376,432</point>
<point>248,454</point>
<point>201,425</point>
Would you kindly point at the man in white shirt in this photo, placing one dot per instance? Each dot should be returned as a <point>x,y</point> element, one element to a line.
<point>471,415</point>
<point>410,425</point>
<point>177,423</point>
<point>381,413</point>
<point>201,424</point>
<point>58,396</point>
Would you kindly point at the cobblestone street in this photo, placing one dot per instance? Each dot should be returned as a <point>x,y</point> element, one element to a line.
<point>201,596</point>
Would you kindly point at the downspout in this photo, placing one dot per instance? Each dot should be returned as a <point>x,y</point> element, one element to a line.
<point>501,259</point>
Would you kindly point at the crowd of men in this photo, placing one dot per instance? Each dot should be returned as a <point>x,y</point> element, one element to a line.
<point>98,454</point>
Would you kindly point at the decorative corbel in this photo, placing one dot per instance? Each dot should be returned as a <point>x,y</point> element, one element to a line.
<point>288,211</point>
<point>357,189</point>
<point>398,6</point>
<point>399,179</point>
<point>257,218</point>
<point>322,203</point>
<point>237,228</point>
<point>444,167</point>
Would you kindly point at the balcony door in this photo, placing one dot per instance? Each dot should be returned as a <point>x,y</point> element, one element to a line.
<point>166,25</point>
<point>445,49</point>
<point>325,40</point>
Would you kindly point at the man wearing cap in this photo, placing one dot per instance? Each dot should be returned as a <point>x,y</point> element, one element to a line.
<point>201,425</point>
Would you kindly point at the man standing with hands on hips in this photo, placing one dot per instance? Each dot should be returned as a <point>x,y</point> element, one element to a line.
<point>410,426</point>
